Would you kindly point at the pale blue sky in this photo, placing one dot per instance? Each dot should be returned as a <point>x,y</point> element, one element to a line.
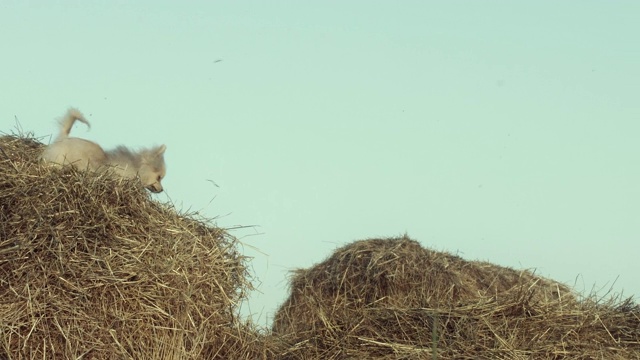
<point>502,131</point>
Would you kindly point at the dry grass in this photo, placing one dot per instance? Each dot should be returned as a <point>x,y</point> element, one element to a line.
<point>91,268</point>
<point>393,299</point>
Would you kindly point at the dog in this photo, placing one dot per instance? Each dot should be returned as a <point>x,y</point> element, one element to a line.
<point>146,164</point>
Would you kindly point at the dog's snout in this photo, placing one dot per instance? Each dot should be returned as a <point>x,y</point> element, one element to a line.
<point>155,188</point>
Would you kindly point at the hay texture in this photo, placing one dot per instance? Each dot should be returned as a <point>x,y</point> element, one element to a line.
<point>92,268</point>
<point>394,299</point>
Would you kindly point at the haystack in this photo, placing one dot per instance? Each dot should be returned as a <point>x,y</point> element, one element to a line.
<point>394,299</point>
<point>92,268</point>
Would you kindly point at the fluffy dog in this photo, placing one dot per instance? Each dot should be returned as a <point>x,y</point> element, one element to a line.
<point>147,164</point>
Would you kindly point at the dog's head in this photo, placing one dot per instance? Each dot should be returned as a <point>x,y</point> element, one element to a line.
<point>153,169</point>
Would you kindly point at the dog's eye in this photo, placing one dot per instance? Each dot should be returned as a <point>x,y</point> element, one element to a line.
<point>159,177</point>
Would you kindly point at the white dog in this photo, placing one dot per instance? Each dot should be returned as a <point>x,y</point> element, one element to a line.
<point>147,164</point>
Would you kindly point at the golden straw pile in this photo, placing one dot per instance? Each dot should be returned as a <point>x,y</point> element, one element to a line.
<point>394,299</point>
<point>92,268</point>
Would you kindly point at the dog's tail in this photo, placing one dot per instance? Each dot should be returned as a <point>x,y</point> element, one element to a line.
<point>66,122</point>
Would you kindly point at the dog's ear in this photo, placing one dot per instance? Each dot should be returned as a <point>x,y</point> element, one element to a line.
<point>161,149</point>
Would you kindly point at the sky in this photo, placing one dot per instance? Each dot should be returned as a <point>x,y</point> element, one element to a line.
<point>499,131</point>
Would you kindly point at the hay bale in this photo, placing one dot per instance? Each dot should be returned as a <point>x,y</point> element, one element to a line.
<point>392,298</point>
<point>92,268</point>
